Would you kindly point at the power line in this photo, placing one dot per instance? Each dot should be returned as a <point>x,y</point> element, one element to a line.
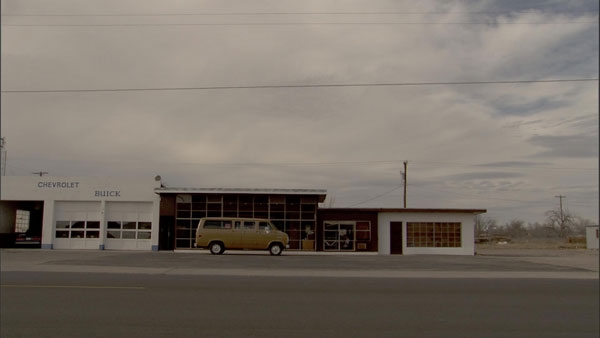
<point>379,84</point>
<point>281,13</point>
<point>299,24</point>
<point>376,197</point>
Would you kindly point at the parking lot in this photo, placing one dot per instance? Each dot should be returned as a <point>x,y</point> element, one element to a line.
<point>487,263</point>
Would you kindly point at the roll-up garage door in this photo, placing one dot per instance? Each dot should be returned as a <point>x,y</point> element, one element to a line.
<point>128,226</point>
<point>77,225</point>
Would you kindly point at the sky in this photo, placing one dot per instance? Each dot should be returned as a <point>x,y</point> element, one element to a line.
<point>493,104</point>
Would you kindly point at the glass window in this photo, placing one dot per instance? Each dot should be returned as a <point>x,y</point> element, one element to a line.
<point>22,221</point>
<point>93,225</point>
<point>92,234</point>
<point>144,235</point>
<point>113,225</point>
<point>77,234</point>
<point>113,234</point>
<point>144,225</point>
<point>264,226</point>
<point>130,225</point>
<point>433,234</point>
<point>62,224</point>
<point>211,224</point>
<point>78,225</point>
<point>249,225</point>
<point>62,233</point>
<point>128,234</point>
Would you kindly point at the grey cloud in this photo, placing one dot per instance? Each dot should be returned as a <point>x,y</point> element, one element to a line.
<point>570,146</point>
<point>513,164</point>
<point>493,175</point>
<point>505,107</point>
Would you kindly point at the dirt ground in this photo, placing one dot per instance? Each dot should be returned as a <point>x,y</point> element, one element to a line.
<point>544,251</point>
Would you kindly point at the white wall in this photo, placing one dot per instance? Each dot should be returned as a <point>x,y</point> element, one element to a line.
<point>54,190</point>
<point>467,221</point>
<point>591,233</point>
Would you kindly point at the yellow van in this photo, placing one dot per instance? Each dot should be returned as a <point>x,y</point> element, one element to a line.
<point>220,233</point>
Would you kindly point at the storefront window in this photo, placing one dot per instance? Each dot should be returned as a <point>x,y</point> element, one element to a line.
<point>433,234</point>
<point>343,235</point>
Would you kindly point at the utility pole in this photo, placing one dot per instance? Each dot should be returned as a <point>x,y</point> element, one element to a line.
<point>560,197</point>
<point>3,156</point>
<point>404,178</point>
<point>562,217</point>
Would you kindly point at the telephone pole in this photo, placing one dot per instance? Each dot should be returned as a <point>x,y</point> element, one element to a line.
<point>560,197</point>
<point>404,178</point>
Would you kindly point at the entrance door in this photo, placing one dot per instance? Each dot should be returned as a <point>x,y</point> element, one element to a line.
<point>396,238</point>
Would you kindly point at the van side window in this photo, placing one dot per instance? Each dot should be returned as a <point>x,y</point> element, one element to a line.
<point>237,225</point>
<point>264,226</point>
<point>249,225</point>
<point>209,224</point>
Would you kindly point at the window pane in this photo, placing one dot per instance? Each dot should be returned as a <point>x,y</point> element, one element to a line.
<point>129,234</point>
<point>209,224</point>
<point>130,225</point>
<point>113,234</point>
<point>62,224</point>
<point>144,235</point>
<point>92,234</point>
<point>77,234</point>
<point>78,225</point>
<point>93,225</point>
<point>144,225</point>
<point>113,225</point>
<point>62,233</point>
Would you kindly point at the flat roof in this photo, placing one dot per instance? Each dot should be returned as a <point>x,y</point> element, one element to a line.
<point>321,193</point>
<point>408,210</point>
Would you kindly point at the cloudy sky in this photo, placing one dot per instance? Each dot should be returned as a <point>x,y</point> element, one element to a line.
<point>323,94</point>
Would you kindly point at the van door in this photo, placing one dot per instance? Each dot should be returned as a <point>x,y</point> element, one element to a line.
<point>250,236</point>
<point>237,235</point>
<point>265,234</point>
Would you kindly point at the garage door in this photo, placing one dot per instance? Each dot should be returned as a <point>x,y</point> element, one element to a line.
<point>128,226</point>
<point>77,225</point>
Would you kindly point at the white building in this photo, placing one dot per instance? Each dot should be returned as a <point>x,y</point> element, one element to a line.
<point>82,213</point>
<point>591,234</point>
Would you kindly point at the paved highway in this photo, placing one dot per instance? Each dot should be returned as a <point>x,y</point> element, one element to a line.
<point>67,304</point>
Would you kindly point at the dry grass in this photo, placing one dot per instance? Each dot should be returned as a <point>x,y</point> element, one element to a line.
<point>533,243</point>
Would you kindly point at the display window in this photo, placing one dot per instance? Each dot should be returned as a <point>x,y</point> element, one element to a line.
<point>343,235</point>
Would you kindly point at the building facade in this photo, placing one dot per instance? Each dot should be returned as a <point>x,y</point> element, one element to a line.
<point>293,211</point>
<point>81,212</point>
<point>141,214</point>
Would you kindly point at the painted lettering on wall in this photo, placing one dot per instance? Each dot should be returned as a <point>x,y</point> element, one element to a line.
<point>62,185</point>
<point>107,193</point>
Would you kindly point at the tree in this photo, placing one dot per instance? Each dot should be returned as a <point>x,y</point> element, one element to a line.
<point>516,228</point>
<point>484,225</point>
<point>561,221</point>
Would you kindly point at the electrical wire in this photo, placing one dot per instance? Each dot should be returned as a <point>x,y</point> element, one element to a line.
<point>380,84</point>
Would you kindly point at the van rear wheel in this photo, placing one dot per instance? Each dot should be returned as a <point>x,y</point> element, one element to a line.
<point>216,248</point>
<point>275,249</point>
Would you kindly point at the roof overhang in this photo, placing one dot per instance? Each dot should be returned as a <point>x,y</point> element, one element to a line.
<point>410,210</point>
<point>320,193</point>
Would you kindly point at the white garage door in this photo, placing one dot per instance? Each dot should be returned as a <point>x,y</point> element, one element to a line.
<point>128,226</point>
<point>77,225</point>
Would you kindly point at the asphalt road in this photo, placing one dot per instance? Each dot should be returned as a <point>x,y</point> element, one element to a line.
<point>66,304</point>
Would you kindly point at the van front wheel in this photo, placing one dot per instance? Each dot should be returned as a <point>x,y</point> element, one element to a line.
<point>216,248</point>
<point>275,249</point>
